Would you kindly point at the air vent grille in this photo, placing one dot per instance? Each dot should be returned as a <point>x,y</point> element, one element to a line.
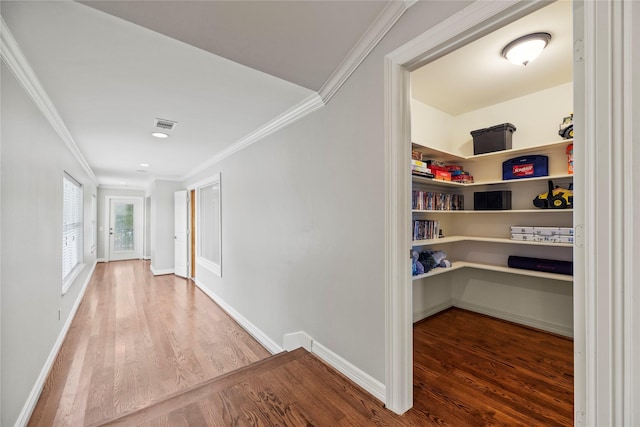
<point>165,124</point>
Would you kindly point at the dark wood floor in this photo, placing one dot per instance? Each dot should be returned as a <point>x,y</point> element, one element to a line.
<point>474,370</point>
<point>155,351</point>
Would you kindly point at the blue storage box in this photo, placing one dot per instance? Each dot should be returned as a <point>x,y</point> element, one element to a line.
<point>525,167</point>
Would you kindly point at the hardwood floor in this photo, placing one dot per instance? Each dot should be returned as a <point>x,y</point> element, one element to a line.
<point>135,339</point>
<point>473,370</point>
<point>156,351</point>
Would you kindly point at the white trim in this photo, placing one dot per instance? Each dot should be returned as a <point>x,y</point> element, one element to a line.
<point>358,376</point>
<point>512,317</point>
<point>32,400</point>
<point>16,61</point>
<point>100,260</point>
<point>207,263</point>
<point>376,31</point>
<point>296,340</point>
<point>308,105</point>
<point>253,330</point>
<point>466,25</point>
<point>160,272</point>
<point>146,258</point>
<point>299,339</point>
<point>73,275</point>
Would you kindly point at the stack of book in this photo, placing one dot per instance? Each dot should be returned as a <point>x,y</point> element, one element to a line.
<point>420,168</point>
<point>542,234</point>
<point>431,201</point>
<point>425,229</point>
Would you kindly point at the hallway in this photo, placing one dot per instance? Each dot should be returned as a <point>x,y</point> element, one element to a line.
<point>135,339</point>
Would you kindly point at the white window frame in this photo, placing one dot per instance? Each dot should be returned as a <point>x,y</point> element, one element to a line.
<point>213,265</point>
<point>72,216</point>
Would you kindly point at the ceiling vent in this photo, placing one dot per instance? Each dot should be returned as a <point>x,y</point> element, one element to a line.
<point>165,124</point>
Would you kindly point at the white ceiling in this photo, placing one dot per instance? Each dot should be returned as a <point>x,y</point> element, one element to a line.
<point>224,69</point>
<point>476,75</point>
<point>110,79</point>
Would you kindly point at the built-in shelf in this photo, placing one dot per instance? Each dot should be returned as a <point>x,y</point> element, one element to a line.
<point>422,180</point>
<point>495,156</point>
<point>505,211</point>
<point>456,265</point>
<point>454,239</point>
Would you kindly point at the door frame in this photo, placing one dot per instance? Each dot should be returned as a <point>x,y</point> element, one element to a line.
<point>107,222</point>
<point>471,23</point>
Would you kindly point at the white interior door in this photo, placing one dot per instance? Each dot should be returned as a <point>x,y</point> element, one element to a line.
<point>125,229</point>
<point>181,247</point>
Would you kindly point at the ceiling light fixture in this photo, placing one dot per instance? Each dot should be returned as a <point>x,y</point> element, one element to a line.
<point>144,165</point>
<point>160,135</point>
<point>525,49</point>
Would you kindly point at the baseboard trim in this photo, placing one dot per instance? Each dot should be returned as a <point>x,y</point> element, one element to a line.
<point>146,258</point>
<point>355,374</point>
<point>251,329</point>
<point>296,340</point>
<point>431,311</point>
<point>527,321</point>
<point>161,272</point>
<point>32,400</point>
<point>101,260</point>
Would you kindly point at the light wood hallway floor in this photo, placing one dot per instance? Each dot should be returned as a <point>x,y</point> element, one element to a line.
<point>156,351</point>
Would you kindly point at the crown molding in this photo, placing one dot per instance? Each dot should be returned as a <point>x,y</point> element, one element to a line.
<point>308,105</point>
<point>376,31</point>
<point>16,61</point>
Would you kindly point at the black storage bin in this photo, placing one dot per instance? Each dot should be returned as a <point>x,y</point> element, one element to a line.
<point>495,138</point>
<point>538,264</point>
<point>491,200</point>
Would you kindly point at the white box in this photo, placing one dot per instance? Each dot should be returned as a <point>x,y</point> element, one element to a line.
<point>521,229</point>
<point>523,237</point>
<point>554,239</point>
<point>553,231</point>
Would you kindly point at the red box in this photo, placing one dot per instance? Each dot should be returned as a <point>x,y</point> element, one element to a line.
<point>442,175</point>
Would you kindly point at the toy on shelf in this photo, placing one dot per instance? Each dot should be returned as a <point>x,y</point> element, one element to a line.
<point>555,198</point>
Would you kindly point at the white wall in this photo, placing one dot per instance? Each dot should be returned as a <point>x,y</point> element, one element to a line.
<point>161,229</point>
<point>303,216</point>
<point>536,117</point>
<point>102,205</point>
<point>33,160</point>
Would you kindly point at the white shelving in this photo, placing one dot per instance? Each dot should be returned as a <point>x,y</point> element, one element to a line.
<point>456,265</point>
<point>455,239</point>
<point>493,227</point>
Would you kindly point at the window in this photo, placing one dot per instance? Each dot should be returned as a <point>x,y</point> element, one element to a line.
<point>209,247</point>
<point>71,231</point>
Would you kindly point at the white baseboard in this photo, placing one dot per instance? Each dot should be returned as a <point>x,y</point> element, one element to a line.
<point>146,258</point>
<point>101,260</point>
<point>252,329</point>
<point>160,272</point>
<point>296,340</point>
<point>431,311</point>
<point>355,374</point>
<point>32,400</point>
<point>527,321</point>
<point>302,339</point>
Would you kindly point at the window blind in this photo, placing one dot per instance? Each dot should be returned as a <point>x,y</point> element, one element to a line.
<point>71,226</point>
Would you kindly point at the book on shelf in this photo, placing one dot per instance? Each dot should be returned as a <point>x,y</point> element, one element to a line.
<point>425,229</point>
<point>434,201</point>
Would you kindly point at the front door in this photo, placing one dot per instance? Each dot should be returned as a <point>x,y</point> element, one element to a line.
<point>125,229</point>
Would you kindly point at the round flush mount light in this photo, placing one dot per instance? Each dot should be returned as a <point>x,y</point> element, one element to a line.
<point>160,135</point>
<point>144,165</point>
<point>525,49</point>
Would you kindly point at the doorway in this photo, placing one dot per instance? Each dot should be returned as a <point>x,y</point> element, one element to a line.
<point>125,228</point>
<point>474,22</point>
